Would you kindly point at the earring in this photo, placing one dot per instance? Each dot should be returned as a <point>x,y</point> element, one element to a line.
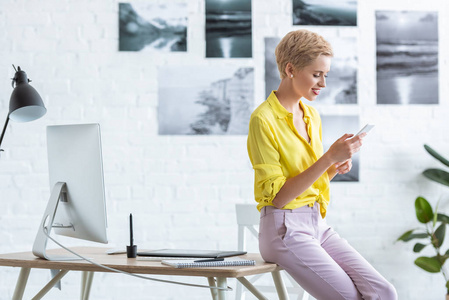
<point>291,75</point>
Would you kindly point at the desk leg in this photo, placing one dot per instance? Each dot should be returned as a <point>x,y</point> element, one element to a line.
<point>222,282</point>
<point>50,284</point>
<point>280,286</point>
<point>83,283</point>
<point>214,292</point>
<point>21,283</point>
<point>86,284</point>
<point>251,288</point>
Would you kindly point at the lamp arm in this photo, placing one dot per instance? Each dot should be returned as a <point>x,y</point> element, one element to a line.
<point>4,130</point>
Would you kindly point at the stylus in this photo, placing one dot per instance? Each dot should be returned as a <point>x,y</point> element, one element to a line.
<point>131,230</point>
<point>209,259</point>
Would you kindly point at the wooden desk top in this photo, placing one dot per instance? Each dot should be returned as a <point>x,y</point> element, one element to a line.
<point>131,265</point>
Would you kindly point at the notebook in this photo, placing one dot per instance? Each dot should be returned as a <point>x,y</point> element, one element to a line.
<point>227,262</point>
<point>190,253</point>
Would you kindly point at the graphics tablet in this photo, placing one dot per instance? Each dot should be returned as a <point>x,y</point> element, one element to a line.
<point>190,253</point>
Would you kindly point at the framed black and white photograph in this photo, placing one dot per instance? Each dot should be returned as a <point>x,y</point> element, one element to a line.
<point>334,127</point>
<point>205,100</point>
<point>325,12</point>
<point>407,57</point>
<point>341,82</point>
<point>228,28</point>
<point>272,76</point>
<point>147,26</point>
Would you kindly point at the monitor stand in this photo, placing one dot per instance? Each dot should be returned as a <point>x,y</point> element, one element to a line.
<point>40,243</point>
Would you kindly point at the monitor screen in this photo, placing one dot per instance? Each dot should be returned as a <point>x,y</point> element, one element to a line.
<point>74,157</point>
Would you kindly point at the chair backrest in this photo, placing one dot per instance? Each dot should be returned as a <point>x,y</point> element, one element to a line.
<point>247,217</point>
<point>247,214</point>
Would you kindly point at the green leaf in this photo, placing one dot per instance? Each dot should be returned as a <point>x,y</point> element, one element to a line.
<point>443,218</point>
<point>436,155</point>
<point>418,247</point>
<point>423,210</point>
<point>408,236</point>
<point>437,175</point>
<point>447,252</point>
<point>404,236</point>
<point>439,235</point>
<point>429,264</point>
<point>447,287</point>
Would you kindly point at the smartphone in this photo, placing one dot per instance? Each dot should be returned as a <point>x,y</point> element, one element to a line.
<point>365,128</point>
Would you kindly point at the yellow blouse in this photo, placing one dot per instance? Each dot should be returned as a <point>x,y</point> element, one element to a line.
<point>278,152</point>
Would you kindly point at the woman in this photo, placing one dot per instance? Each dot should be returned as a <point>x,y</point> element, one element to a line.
<point>292,180</point>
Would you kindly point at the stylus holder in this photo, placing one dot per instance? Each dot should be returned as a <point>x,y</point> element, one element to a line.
<point>131,251</point>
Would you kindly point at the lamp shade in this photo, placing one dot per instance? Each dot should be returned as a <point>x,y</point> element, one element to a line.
<point>25,104</point>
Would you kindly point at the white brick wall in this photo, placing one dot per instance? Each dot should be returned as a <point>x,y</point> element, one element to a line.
<point>182,189</point>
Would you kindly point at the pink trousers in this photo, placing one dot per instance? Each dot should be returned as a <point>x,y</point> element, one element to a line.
<point>323,263</point>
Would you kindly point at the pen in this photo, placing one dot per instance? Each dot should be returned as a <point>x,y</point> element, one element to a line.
<point>209,260</point>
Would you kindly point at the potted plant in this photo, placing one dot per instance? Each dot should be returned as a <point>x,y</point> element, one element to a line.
<point>434,229</point>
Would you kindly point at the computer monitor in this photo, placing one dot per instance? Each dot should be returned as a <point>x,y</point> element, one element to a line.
<point>76,207</point>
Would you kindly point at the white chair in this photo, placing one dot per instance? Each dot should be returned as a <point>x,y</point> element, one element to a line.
<point>248,220</point>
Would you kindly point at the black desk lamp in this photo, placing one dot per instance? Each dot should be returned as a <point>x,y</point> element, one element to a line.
<point>25,104</point>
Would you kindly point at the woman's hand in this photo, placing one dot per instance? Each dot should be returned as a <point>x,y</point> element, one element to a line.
<point>345,147</point>
<point>343,167</point>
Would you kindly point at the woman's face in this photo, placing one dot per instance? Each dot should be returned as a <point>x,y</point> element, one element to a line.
<point>309,81</point>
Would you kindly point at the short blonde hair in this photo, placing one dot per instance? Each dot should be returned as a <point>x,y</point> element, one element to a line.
<point>300,48</point>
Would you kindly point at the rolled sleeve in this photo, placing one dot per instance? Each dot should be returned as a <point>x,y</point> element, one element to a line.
<point>264,155</point>
<point>268,180</point>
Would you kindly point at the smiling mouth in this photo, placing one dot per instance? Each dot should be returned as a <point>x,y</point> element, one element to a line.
<point>316,92</point>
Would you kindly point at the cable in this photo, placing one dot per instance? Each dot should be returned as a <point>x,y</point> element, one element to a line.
<point>131,274</point>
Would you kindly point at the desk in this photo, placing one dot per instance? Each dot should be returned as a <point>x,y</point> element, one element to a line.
<point>217,276</point>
